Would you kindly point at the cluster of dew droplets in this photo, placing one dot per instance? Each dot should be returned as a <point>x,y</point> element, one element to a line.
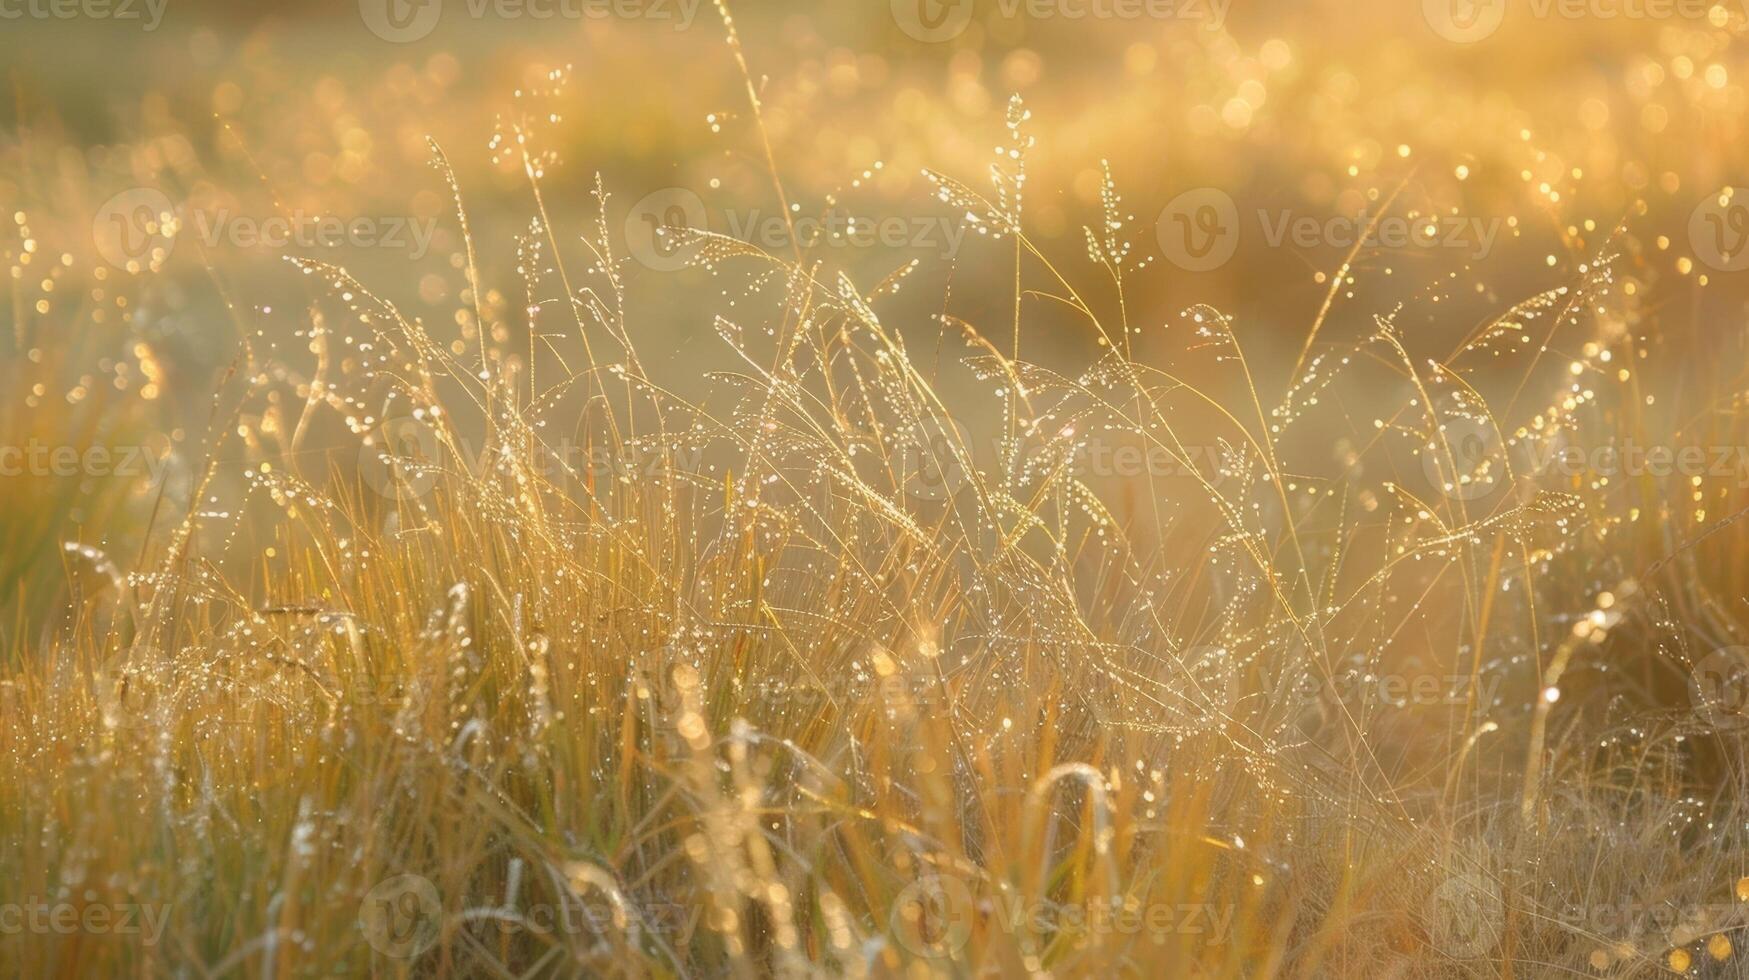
<point>1212,330</point>
<point>535,109</point>
<point>1007,178</point>
<point>1303,392</point>
<point>1008,172</point>
<point>1109,246</point>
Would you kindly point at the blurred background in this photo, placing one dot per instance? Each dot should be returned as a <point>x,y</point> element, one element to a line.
<point>1247,143</point>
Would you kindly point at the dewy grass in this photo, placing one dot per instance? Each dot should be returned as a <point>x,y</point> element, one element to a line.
<point>555,671</point>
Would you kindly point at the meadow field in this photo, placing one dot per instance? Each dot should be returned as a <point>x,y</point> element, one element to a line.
<point>1076,488</point>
